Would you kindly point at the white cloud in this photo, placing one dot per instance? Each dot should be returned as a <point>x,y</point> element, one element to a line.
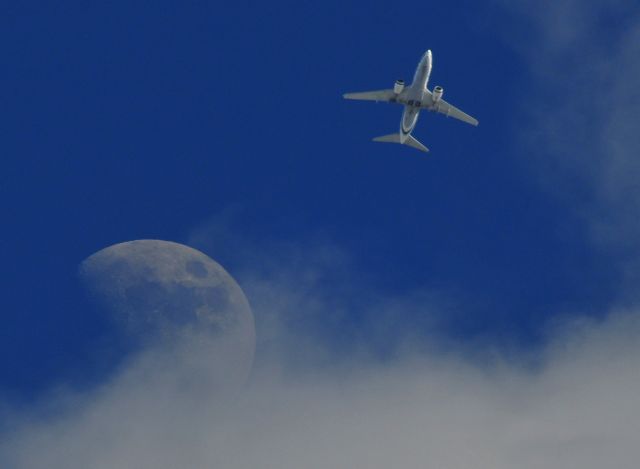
<point>433,406</point>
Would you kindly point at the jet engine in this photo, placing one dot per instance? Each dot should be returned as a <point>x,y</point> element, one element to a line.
<point>438,91</point>
<point>398,86</point>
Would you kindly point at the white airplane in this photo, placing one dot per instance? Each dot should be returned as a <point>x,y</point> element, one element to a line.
<point>415,98</point>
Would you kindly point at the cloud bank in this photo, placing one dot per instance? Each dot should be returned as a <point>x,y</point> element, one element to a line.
<point>421,403</point>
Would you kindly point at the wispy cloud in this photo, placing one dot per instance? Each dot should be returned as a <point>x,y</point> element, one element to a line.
<point>581,113</point>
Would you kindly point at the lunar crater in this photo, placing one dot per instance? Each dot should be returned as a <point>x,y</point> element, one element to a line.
<point>197,269</point>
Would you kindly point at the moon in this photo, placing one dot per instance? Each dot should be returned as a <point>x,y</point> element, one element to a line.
<point>162,292</point>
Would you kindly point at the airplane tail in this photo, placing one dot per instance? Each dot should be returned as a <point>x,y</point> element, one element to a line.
<point>395,138</point>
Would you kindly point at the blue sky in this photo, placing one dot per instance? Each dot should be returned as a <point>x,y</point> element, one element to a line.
<point>135,120</point>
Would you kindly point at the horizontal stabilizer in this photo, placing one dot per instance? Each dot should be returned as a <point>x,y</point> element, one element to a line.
<point>391,138</point>
<point>395,138</point>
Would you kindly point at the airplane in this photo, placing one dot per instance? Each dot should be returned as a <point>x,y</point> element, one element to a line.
<point>415,98</point>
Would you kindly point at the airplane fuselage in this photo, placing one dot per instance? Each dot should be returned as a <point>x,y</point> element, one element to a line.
<point>413,95</point>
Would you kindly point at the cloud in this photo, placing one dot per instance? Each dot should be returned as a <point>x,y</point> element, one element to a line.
<point>580,113</point>
<point>417,403</point>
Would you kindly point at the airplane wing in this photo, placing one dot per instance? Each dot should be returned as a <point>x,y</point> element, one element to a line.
<point>449,110</point>
<point>379,95</point>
